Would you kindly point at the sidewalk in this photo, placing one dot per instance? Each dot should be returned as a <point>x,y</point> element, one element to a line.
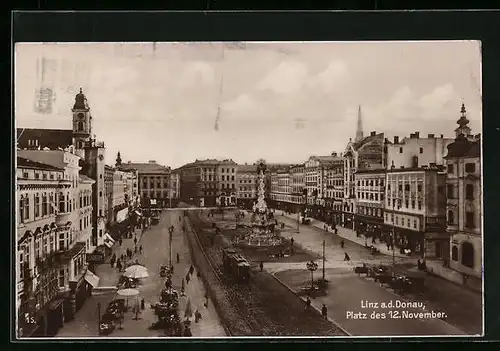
<point>350,235</point>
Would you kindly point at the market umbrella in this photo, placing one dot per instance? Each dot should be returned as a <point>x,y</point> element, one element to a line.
<point>127,293</point>
<point>136,271</point>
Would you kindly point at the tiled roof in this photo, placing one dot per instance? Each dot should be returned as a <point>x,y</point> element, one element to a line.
<point>368,139</point>
<point>50,138</point>
<point>27,163</point>
<point>53,158</point>
<point>144,167</point>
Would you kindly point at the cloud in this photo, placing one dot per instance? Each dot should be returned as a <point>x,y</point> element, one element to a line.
<point>196,74</point>
<point>436,103</point>
<point>330,77</point>
<point>241,103</point>
<point>288,77</point>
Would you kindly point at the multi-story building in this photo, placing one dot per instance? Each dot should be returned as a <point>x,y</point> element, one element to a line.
<point>464,200</point>
<point>227,171</point>
<point>129,191</point>
<point>370,195</point>
<point>108,193</point>
<point>199,182</point>
<point>415,204</point>
<point>154,182</point>
<point>363,153</point>
<point>246,190</point>
<point>416,152</point>
<point>38,273</point>
<point>298,187</point>
<point>334,188</point>
<point>281,189</point>
<point>120,200</point>
<point>175,180</point>
<point>316,180</point>
<point>55,250</point>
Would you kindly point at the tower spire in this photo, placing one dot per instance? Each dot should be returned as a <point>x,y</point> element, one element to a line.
<point>359,127</point>
<point>118,160</point>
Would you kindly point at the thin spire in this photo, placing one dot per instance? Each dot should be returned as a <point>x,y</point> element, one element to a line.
<point>217,117</point>
<point>359,127</point>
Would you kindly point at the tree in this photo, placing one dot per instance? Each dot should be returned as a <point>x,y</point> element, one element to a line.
<point>312,266</point>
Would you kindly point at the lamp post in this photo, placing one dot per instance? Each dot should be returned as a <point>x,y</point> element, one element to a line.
<point>99,317</point>
<point>312,266</point>
<point>170,232</point>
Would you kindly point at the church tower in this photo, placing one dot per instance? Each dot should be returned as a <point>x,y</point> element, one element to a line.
<point>118,160</point>
<point>463,124</point>
<point>359,127</point>
<point>82,123</point>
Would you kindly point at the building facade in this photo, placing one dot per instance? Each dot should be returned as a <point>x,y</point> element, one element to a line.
<point>246,190</point>
<point>199,183</point>
<point>153,182</point>
<point>175,180</point>
<point>415,208</point>
<point>298,185</point>
<point>370,195</point>
<point>464,200</point>
<point>227,173</point>
<point>414,152</point>
<point>281,189</point>
<point>108,191</point>
<point>53,237</point>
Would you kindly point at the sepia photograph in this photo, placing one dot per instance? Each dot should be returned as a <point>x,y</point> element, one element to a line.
<point>215,190</point>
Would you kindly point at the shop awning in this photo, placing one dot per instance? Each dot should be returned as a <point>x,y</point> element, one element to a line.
<point>108,240</point>
<point>92,279</point>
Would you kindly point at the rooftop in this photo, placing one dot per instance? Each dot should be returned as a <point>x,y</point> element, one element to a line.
<point>150,167</point>
<point>463,147</point>
<point>50,138</point>
<point>54,158</point>
<point>84,178</point>
<point>27,163</point>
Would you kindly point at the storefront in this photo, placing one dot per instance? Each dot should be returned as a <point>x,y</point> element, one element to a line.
<point>348,220</point>
<point>369,226</point>
<point>409,239</point>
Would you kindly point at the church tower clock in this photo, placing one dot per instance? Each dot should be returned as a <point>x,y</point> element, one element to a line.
<point>82,123</point>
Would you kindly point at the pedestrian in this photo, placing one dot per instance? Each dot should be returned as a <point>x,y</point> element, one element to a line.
<point>135,240</point>
<point>324,312</point>
<point>140,249</point>
<point>187,331</point>
<point>182,288</point>
<point>120,241</point>
<point>346,257</point>
<point>135,250</point>
<point>292,241</point>
<point>373,240</point>
<point>308,303</point>
<point>342,243</point>
<point>178,259</point>
<point>197,316</point>
<point>119,265</point>
<point>336,230</point>
<point>387,244</point>
<point>191,270</point>
<point>206,301</point>
<point>143,304</point>
<point>261,266</point>
<point>187,278</point>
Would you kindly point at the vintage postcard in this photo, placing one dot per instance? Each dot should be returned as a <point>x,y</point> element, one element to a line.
<point>248,189</point>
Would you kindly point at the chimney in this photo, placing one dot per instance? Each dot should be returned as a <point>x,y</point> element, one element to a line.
<point>441,136</point>
<point>373,133</point>
<point>430,136</point>
<point>396,140</point>
<point>412,135</point>
<point>417,135</point>
<point>334,153</point>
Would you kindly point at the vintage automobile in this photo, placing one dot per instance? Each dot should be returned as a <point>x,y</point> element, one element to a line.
<point>362,270</point>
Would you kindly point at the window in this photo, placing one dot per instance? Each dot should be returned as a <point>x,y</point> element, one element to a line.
<point>45,205</point>
<point>37,175</point>
<point>407,203</point>
<point>450,168</point>
<point>61,242</point>
<point>454,253</point>
<point>400,187</point>
<point>413,204</point>
<point>469,191</point>
<point>470,167</point>
<point>25,175</point>
<point>61,278</point>
<point>407,187</point>
<point>400,150</point>
<point>21,209</point>
<point>449,191</point>
<point>100,233</point>
<point>44,176</point>
<point>51,204</point>
<point>415,223</point>
<point>80,126</point>
<point>421,150</point>
<point>100,176</point>
<point>468,254</point>
<point>397,220</point>
<point>100,193</point>
<point>451,217</point>
<point>408,222</point>
<point>469,219</point>
<point>81,226</point>
<point>37,205</point>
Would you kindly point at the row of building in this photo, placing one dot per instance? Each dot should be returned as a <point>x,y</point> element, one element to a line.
<point>420,193</point>
<point>71,208</point>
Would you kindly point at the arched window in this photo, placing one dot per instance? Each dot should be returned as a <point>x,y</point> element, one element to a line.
<point>80,126</point>
<point>451,217</point>
<point>454,253</point>
<point>468,254</point>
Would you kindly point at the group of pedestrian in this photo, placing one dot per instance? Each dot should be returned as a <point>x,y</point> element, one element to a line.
<point>324,309</point>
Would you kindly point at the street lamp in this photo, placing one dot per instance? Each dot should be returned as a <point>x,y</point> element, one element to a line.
<point>170,232</point>
<point>312,266</point>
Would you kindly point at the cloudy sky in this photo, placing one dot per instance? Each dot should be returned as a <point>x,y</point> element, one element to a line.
<point>279,101</point>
